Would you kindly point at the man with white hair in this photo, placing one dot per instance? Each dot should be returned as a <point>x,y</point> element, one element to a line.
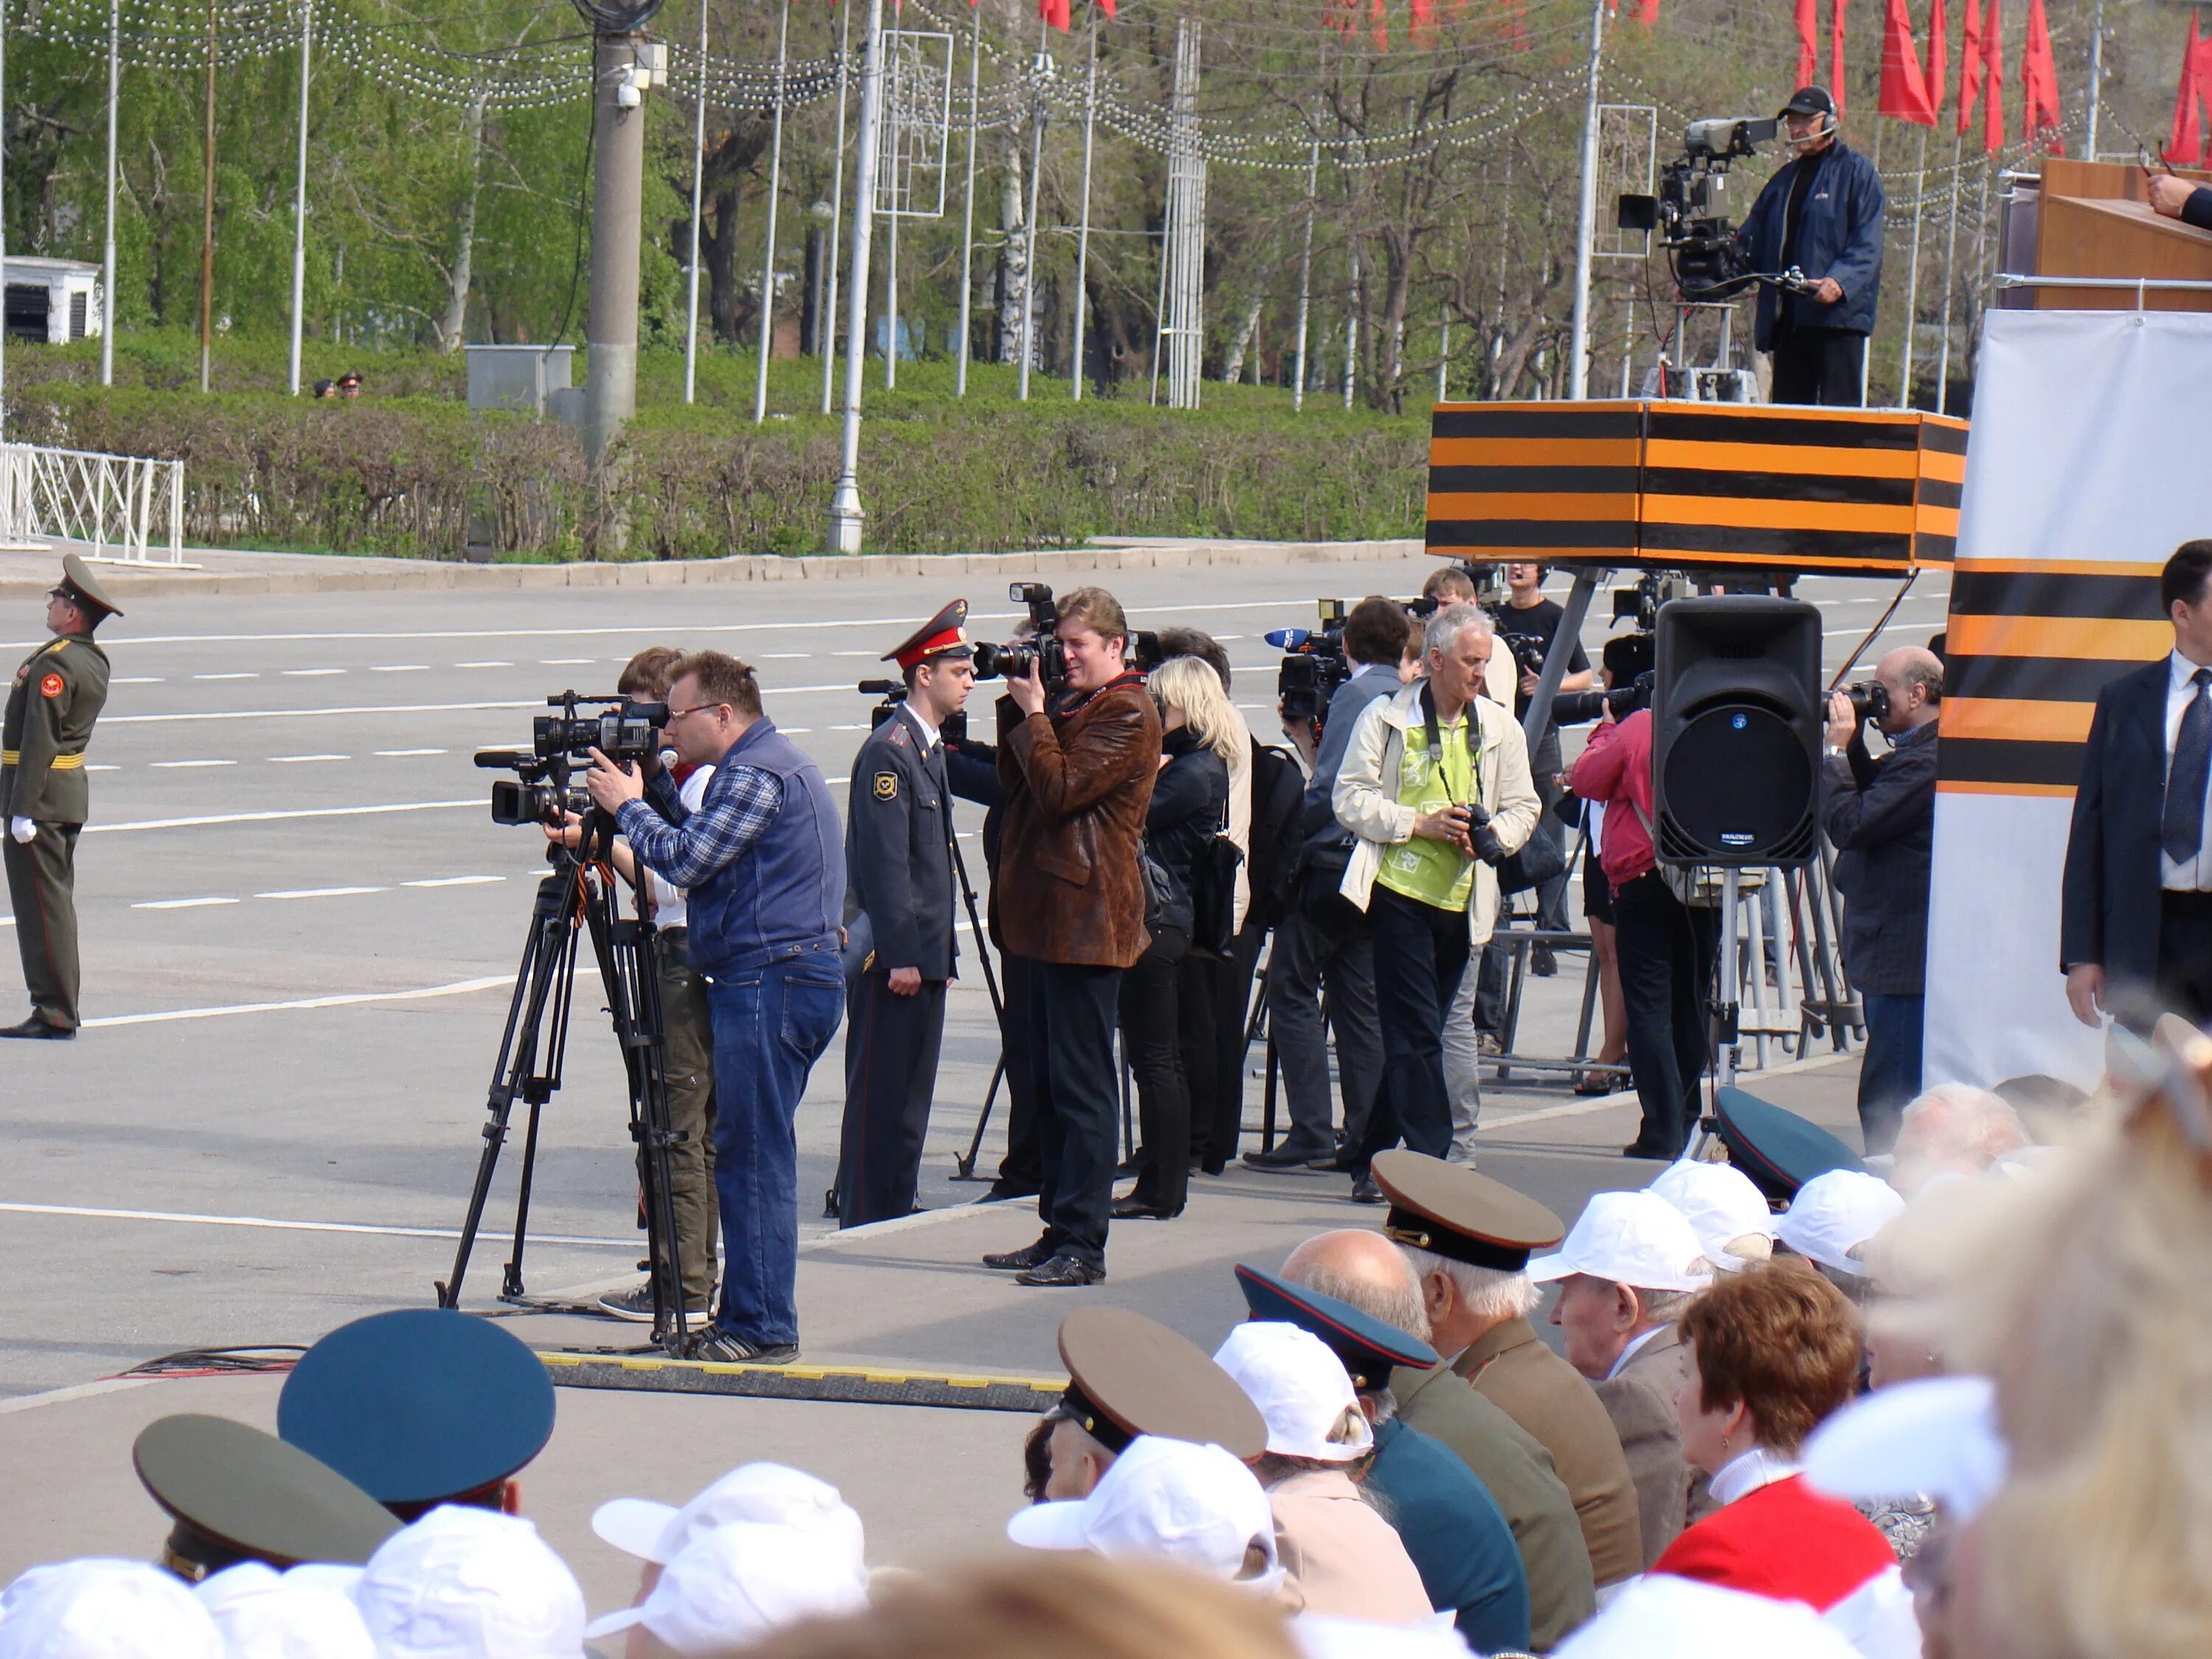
<point>1956,1129</point>
<point>1435,785</point>
<point>1625,1272</point>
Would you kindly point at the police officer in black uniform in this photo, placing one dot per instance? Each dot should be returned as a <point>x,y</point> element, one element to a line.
<point>899,911</point>
<point>57,694</point>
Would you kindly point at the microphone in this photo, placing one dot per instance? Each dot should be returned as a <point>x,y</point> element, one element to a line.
<point>1288,639</point>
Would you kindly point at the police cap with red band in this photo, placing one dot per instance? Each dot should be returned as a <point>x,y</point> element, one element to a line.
<point>944,635</point>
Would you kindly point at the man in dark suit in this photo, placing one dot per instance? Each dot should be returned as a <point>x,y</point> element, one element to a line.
<point>1880,815</point>
<point>898,865</point>
<point>2134,934</point>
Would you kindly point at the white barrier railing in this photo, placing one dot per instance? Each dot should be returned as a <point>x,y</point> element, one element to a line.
<point>129,510</point>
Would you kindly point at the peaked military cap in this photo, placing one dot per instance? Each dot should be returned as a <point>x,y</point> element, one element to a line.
<point>1370,1347</point>
<point>944,635</point>
<point>1451,1211</point>
<point>77,582</point>
<point>237,1494</point>
<point>1777,1149</point>
<point>1128,1375</point>
<point>419,1407</point>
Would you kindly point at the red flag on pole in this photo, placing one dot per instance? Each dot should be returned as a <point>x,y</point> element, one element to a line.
<point>1380,19</point>
<point>1836,53</point>
<point>1970,67</point>
<point>1932,76</point>
<point>1053,12</point>
<point>1808,42</point>
<point>1993,79</point>
<point>1647,12</point>
<point>2039,83</point>
<point>2184,139</point>
<point>1107,6</point>
<point>1904,94</point>
<point>1423,20</point>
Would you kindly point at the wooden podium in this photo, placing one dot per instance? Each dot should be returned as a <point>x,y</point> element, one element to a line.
<point>2094,220</point>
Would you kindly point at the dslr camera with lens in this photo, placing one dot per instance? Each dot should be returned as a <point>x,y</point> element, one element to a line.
<point>1869,702</point>
<point>1043,648</point>
<point>561,743</point>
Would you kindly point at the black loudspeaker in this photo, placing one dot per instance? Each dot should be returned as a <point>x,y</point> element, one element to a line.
<point>1737,719</point>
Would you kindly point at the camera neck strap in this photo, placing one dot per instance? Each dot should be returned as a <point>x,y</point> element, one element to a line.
<point>1437,745</point>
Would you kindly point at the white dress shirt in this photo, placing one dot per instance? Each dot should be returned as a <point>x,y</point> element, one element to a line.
<point>671,908</point>
<point>1745,1474</point>
<point>1635,1346</point>
<point>2190,875</point>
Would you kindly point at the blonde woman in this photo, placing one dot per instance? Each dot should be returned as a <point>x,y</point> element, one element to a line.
<point>1190,801</point>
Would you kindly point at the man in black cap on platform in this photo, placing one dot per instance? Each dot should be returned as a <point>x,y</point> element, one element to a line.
<point>898,875</point>
<point>237,1494</point>
<point>1128,1376</point>
<point>57,694</point>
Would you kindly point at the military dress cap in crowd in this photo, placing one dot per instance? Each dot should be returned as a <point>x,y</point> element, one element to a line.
<point>100,1606</point>
<point>1777,1149</point>
<point>1636,1239</point>
<point>1732,1221</point>
<point>734,1584</point>
<point>1835,1214</point>
<point>237,1494</point>
<point>1166,1500</point>
<point>1129,1375</point>
<point>78,584</point>
<point>768,1494</point>
<point>944,635</point>
<point>1452,1211</point>
<point>1369,1348</point>
<point>1303,1393</point>
<point>419,1407</point>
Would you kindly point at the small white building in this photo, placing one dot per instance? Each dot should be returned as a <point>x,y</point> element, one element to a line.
<point>52,301</point>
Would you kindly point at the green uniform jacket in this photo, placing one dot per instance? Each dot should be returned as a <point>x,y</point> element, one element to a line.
<point>57,694</point>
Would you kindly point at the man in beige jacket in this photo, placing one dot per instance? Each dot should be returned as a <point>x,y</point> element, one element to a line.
<point>1435,785</point>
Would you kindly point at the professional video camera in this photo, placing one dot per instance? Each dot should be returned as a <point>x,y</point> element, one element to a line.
<point>1314,663</point>
<point>893,693</point>
<point>1688,213</point>
<point>621,730</point>
<point>1044,649</point>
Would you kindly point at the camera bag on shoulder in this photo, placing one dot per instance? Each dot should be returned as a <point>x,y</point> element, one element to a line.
<point>1214,891</point>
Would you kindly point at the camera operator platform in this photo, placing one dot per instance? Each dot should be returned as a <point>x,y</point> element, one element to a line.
<point>899,862</point>
<point>1820,214</point>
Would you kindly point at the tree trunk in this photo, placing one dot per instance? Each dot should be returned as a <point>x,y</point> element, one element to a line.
<point>452,328</point>
<point>1233,369</point>
<point>1014,258</point>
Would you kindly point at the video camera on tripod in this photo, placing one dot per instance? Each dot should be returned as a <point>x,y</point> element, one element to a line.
<point>545,788</point>
<point>1688,213</point>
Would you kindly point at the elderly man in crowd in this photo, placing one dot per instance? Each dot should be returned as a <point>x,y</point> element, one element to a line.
<point>1625,1274</point>
<point>1953,1129</point>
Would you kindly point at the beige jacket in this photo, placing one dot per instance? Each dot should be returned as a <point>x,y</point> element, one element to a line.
<point>1345,1558</point>
<point>1365,798</point>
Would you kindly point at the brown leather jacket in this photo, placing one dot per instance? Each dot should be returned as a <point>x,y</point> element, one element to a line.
<point>1067,887</point>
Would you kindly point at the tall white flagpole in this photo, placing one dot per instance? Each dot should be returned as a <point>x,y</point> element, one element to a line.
<point>846,517</point>
<point>1082,239</point>
<point>967,199</point>
<point>836,204</point>
<point>300,201</point>
<point>775,188</point>
<point>698,205</point>
<point>108,254</point>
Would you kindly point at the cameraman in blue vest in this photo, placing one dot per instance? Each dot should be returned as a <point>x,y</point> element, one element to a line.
<point>764,862</point>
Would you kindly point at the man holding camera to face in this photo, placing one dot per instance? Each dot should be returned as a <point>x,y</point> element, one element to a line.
<point>1079,751</point>
<point>1435,784</point>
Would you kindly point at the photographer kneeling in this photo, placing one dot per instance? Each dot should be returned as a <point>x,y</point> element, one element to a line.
<point>764,864</point>
<point>1435,785</point>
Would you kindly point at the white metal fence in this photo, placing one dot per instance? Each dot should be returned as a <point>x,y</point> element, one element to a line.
<point>127,508</point>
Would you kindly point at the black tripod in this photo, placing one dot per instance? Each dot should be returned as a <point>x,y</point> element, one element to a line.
<point>580,893</point>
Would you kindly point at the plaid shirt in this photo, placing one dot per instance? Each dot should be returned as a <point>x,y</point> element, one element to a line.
<point>684,847</point>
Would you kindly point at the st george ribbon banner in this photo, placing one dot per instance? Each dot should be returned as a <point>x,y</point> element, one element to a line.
<point>2081,481</point>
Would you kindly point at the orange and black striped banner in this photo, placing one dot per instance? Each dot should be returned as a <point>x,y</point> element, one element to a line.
<point>2029,646</point>
<point>1696,485</point>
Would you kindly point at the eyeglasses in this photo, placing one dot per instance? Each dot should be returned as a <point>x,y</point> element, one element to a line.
<point>675,714</point>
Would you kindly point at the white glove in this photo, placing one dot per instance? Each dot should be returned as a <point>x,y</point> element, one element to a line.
<point>23,831</point>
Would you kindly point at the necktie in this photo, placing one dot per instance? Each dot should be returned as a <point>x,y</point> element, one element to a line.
<point>2181,834</point>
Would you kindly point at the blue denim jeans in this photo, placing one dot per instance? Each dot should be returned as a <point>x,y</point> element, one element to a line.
<point>771,1025</point>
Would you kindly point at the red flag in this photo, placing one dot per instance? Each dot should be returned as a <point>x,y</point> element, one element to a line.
<point>1647,12</point>
<point>1054,13</point>
<point>1836,53</point>
<point>1904,94</point>
<point>1380,21</point>
<point>1808,42</point>
<point>1107,6</point>
<point>1993,79</point>
<point>1970,67</point>
<point>1932,76</point>
<point>2184,140</point>
<point>1423,19</point>
<point>2038,83</point>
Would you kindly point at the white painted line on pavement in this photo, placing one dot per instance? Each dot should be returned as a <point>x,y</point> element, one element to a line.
<point>181,904</point>
<point>91,766</point>
<point>453,881</point>
<point>7,921</point>
<point>402,754</point>
<point>483,664</point>
<point>318,892</point>
<point>275,816</point>
<point>178,766</point>
<point>227,677</point>
<point>303,713</point>
<point>275,1224</point>
<point>399,668</point>
<point>566,662</point>
<point>310,673</point>
<point>342,999</point>
<point>785,656</point>
<point>136,679</point>
<point>300,760</point>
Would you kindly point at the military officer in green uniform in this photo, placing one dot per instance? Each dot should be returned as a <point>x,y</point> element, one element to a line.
<point>57,695</point>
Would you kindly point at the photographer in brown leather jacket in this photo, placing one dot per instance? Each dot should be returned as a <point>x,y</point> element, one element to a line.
<point>1067,909</point>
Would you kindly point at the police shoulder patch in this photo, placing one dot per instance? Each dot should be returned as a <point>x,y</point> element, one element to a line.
<point>898,738</point>
<point>886,785</point>
<point>53,686</point>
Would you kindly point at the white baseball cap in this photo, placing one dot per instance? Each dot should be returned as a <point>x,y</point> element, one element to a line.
<point>104,1609</point>
<point>1301,1388</point>
<point>1659,1616</point>
<point>1724,1208</point>
<point>766,1492</point>
<point>1629,1238</point>
<point>729,1587</point>
<point>1936,1437</point>
<point>1165,1500</point>
<point>266,1614</point>
<point>1834,1215</point>
<point>468,1583</point>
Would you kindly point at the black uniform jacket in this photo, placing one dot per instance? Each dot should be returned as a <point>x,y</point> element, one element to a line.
<point>898,856</point>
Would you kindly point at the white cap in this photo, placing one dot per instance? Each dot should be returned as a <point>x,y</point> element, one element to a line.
<point>1301,1388</point>
<point>1629,1238</point>
<point>266,1614</point>
<point>729,1587</point>
<point>1163,1500</point>
<point>1724,1207</point>
<point>766,1492</point>
<point>1661,1617</point>
<point>1834,1215</point>
<point>1320,1636</point>
<point>468,1583</point>
<point>1937,1438</point>
<point>104,1609</point>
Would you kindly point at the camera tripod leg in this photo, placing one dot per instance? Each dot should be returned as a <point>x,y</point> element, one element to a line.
<point>966,1166</point>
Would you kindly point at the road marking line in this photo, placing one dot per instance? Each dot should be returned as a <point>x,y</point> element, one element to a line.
<point>227,677</point>
<point>318,892</point>
<point>566,662</point>
<point>300,760</point>
<point>400,754</point>
<point>310,673</point>
<point>302,713</point>
<point>92,767</point>
<point>341,999</point>
<point>173,766</point>
<point>136,679</point>
<point>181,904</point>
<point>399,668</point>
<point>785,656</point>
<point>277,816</point>
<point>483,664</point>
<point>453,881</point>
<point>279,1225</point>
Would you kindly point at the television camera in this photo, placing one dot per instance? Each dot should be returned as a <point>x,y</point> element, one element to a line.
<point>544,785</point>
<point>1689,214</point>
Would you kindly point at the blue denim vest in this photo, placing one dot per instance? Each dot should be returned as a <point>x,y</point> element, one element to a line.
<point>783,897</point>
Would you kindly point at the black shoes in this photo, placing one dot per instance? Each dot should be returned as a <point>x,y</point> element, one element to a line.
<point>1003,1191</point>
<point>1015,1261</point>
<point>725,1348</point>
<point>1364,1191</point>
<point>37,1029</point>
<point>1542,962</point>
<point>1062,1272</point>
<point>1135,1209</point>
<point>1290,1156</point>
